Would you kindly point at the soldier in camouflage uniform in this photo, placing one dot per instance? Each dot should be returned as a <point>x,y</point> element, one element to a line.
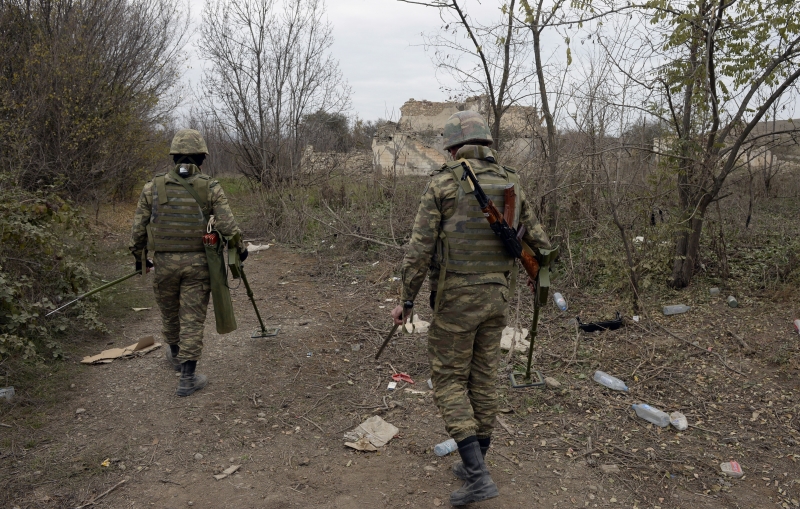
<point>169,224</point>
<point>470,279</point>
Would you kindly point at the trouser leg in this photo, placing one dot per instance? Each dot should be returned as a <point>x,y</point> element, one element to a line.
<point>166,288</point>
<point>464,398</point>
<point>195,290</point>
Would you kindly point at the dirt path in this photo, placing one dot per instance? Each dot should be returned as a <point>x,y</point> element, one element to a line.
<point>278,407</point>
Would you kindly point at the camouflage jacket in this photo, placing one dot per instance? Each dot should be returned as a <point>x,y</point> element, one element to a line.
<point>225,222</point>
<point>438,204</point>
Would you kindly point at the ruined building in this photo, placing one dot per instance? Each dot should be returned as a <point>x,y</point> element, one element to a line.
<point>413,146</point>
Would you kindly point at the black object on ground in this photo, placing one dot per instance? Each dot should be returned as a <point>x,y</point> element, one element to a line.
<point>600,326</point>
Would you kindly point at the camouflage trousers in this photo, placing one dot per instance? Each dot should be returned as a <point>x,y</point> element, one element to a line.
<point>464,350</point>
<point>182,289</point>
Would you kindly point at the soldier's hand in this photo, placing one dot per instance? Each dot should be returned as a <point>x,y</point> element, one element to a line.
<point>243,255</point>
<point>532,285</point>
<point>398,317</point>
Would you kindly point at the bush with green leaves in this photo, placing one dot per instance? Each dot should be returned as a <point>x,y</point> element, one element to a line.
<point>42,242</point>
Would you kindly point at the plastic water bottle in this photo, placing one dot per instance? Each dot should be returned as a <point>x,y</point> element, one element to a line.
<point>610,381</point>
<point>651,414</point>
<point>445,447</point>
<point>560,301</point>
<point>676,309</point>
<point>732,302</point>
<point>797,326</point>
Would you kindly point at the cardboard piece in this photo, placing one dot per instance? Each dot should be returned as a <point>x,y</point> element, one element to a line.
<point>370,434</point>
<point>145,345</point>
<point>253,248</point>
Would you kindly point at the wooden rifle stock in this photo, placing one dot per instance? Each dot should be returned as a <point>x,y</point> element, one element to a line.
<point>528,261</point>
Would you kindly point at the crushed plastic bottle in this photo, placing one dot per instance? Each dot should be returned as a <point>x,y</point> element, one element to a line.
<point>676,309</point>
<point>445,447</point>
<point>609,381</point>
<point>678,421</point>
<point>651,414</point>
<point>560,301</point>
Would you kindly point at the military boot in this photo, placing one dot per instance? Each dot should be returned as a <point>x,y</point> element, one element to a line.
<point>478,485</point>
<point>190,381</point>
<point>458,468</point>
<point>171,354</point>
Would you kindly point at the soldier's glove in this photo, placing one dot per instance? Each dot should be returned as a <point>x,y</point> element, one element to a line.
<point>139,265</point>
<point>243,255</point>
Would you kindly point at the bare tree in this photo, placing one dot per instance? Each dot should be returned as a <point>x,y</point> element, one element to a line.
<point>494,63</point>
<point>85,88</point>
<point>270,68</point>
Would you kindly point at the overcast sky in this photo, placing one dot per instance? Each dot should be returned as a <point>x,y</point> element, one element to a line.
<point>378,45</point>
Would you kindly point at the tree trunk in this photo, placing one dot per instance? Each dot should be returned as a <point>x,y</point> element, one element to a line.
<point>552,149</point>
<point>687,247</point>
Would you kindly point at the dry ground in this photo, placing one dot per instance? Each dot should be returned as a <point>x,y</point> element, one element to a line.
<point>278,407</point>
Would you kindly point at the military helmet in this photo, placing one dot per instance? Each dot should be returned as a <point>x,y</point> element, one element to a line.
<point>188,141</point>
<point>465,127</point>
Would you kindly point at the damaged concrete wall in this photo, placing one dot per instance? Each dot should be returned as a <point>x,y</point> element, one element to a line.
<point>413,146</point>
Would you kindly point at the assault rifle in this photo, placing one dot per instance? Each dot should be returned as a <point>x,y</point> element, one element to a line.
<point>511,238</point>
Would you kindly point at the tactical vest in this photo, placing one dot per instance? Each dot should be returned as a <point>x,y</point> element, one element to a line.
<point>178,218</point>
<point>467,244</point>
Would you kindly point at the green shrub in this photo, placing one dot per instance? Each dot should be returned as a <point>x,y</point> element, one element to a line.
<point>42,239</point>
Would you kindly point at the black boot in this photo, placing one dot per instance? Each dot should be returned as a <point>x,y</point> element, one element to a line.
<point>190,381</point>
<point>171,354</point>
<point>458,468</point>
<point>478,485</point>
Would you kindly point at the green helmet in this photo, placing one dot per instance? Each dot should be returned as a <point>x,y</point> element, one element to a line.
<point>465,127</point>
<point>188,141</point>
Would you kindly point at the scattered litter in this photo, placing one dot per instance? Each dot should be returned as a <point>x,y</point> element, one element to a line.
<point>376,263</point>
<point>80,411</point>
<point>198,456</point>
<point>675,309</point>
<point>394,278</point>
<point>416,326</point>
<point>732,469</point>
<point>445,448</point>
<point>252,248</point>
<point>392,386</point>
<point>7,393</point>
<point>402,377</point>
<point>355,347</point>
<point>636,318</point>
<point>430,384</point>
<point>560,301</point>
<point>141,309</point>
<point>106,463</point>
<point>651,414</point>
<point>388,300</point>
<point>552,382</point>
<point>732,302</point>
<point>797,326</point>
<point>678,421</point>
<point>609,469</point>
<point>415,391</point>
<point>614,324</point>
<point>609,381</point>
<point>370,434</point>
<point>309,354</point>
<point>228,471</point>
<point>145,345</point>
<point>638,240</point>
<point>507,339</point>
<point>714,291</point>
